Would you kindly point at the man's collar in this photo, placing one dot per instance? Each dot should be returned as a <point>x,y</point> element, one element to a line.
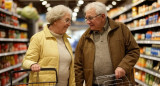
<point>105,27</point>
<point>111,23</point>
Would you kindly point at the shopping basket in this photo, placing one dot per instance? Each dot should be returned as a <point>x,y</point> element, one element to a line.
<point>50,83</point>
<point>110,80</point>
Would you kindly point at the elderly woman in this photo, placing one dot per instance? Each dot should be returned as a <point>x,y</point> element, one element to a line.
<point>50,48</point>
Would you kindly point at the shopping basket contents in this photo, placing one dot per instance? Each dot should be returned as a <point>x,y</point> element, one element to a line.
<point>37,82</point>
<point>110,80</point>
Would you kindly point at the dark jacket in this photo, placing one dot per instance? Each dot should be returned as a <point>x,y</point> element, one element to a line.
<point>124,52</point>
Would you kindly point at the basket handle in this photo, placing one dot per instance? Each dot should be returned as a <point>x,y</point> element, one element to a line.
<point>25,70</point>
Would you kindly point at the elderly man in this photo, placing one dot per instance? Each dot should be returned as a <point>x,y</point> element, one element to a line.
<point>107,47</point>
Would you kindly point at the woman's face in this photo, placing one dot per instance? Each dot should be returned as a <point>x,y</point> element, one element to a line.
<point>63,24</point>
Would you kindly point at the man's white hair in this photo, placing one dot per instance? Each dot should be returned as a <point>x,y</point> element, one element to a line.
<point>98,6</point>
<point>57,12</point>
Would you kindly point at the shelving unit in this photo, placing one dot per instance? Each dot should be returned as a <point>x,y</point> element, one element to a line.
<point>18,79</point>
<point>6,12</point>
<point>10,68</point>
<point>6,40</point>
<point>145,27</point>
<point>147,13</point>
<point>13,40</point>
<point>13,27</point>
<point>147,42</point>
<point>12,53</point>
<point>10,13</point>
<point>148,71</point>
<point>150,57</point>
<point>128,8</point>
<point>140,29</point>
<point>140,82</point>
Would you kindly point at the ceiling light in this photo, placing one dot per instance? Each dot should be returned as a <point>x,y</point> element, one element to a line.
<point>44,2</point>
<point>74,18</point>
<point>48,5</point>
<point>41,0</point>
<point>107,8</point>
<point>76,9</point>
<point>80,2</point>
<point>110,6</point>
<point>49,8</point>
<point>114,3</point>
<point>118,0</point>
<point>74,14</point>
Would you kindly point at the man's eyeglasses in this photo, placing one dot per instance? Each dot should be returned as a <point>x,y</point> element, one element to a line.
<point>91,17</point>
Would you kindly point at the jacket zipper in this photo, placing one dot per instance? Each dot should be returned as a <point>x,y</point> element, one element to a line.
<point>110,49</point>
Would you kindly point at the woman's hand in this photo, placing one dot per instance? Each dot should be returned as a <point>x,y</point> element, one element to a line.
<point>119,72</point>
<point>35,68</point>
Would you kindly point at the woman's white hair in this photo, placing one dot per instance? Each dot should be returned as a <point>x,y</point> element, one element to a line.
<point>57,12</point>
<point>98,6</point>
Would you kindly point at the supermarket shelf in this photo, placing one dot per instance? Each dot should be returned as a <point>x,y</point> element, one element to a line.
<point>11,13</point>
<point>136,17</point>
<point>127,20</point>
<point>145,27</point>
<point>6,25</point>
<point>152,25</point>
<point>152,11</point>
<point>139,2</point>
<point>148,71</point>
<point>147,42</point>
<point>150,57</point>
<point>146,13</point>
<point>18,16</point>
<point>14,40</point>
<point>6,12</point>
<point>10,26</point>
<point>12,53</point>
<point>137,28</point>
<point>10,68</point>
<point>19,28</point>
<point>130,19</point>
<point>128,8</point>
<point>140,82</point>
<point>18,79</point>
<point>14,14</point>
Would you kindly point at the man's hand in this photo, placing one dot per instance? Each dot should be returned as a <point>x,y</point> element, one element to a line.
<point>119,72</point>
<point>35,68</point>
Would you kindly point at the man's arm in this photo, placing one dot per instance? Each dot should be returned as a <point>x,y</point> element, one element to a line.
<point>131,50</point>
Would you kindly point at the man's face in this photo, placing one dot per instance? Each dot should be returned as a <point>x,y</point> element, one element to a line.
<point>94,20</point>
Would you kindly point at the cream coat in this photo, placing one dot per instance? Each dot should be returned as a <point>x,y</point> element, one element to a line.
<point>43,50</point>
